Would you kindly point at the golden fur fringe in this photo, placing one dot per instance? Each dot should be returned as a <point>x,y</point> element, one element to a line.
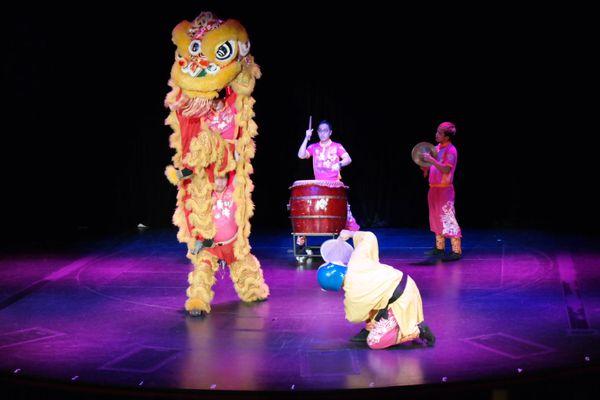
<point>201,280</point>
<point>248,280</point>
<point>207,148</point>
<point>171,174</point>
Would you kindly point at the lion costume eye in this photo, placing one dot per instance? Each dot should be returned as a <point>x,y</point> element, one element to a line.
<point>195,47</point>
<point>225,51</point>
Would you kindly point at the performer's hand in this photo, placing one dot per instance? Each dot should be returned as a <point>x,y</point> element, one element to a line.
<point>308,133</point>
<point>198,246</point>
<point>184,173</point>
<point>345,234</point>
<point>336,166</point>
<point>428,158</point>
<point>370,326</point>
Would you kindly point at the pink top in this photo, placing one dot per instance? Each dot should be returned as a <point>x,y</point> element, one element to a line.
<point>224,215</point>
<point>446,155</point>
<point>325,159</point>
<point>224,121</point>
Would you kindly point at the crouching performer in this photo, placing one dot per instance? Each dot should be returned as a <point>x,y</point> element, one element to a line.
<point>387,299</point>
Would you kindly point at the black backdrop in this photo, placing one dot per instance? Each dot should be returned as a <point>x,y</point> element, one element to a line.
<point>84,145</point>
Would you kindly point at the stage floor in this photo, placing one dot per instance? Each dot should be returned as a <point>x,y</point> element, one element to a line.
<point>111,313</point>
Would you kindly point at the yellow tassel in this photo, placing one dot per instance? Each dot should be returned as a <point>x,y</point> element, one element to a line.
<point>171,174</point>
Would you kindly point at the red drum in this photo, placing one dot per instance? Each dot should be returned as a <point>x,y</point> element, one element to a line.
<point>318,206</point>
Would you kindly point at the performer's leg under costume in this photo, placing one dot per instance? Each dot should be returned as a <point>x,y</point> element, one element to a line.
<point>440,242</point>
<point>201,280</point>
<point>386,332</point>
<point>248,280</point>
<point>205,149</point>
<point>442,217</point>
<point>456,245</point>
<point>403,323</point>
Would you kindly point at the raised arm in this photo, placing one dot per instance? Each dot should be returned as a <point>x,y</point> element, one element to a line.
<point>302,153</point>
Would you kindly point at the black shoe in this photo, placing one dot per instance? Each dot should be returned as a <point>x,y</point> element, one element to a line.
<point>260,300</point>
<point>426,335</point>
<point>197,313</point>
<point>360,336</point>
<point>435,252</point>
<point>452,257</point>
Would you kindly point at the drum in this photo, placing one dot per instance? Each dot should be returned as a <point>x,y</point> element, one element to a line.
<point>318,206</point>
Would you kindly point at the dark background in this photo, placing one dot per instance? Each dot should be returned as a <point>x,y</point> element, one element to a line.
<point>84,146</point>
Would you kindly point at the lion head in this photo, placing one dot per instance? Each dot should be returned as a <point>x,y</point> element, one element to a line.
<point>210,55</point>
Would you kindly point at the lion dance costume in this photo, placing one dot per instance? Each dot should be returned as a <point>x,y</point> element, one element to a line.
<point>213,68</point>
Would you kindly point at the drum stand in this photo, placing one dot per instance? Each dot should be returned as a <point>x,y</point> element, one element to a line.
<point>309,251</point>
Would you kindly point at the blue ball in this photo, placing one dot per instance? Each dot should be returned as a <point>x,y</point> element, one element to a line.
<point>331,276</point>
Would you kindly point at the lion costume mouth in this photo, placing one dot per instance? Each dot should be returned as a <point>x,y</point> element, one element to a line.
<point>206,86</point>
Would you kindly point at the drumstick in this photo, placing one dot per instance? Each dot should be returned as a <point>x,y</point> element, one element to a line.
<point>310,122</point>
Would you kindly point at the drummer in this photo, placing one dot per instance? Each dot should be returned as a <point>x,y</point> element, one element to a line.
<point>329,158</point>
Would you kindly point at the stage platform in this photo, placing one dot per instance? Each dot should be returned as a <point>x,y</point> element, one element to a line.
<point>108,316</point>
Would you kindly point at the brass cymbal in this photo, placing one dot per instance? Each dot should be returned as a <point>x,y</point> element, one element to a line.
<point>420,149</point>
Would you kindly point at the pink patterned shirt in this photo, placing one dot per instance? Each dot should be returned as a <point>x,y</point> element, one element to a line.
<point>224,215</point>
<point>325,157</point>
<point>446,155</point>
<point>224,121</point>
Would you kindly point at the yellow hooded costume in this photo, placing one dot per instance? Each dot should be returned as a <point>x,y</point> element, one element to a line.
<point>368,286</point>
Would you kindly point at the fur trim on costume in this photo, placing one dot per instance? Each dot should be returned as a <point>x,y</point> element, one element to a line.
<point>171,174</point>
<point>213,55</point>
<point>248,279</point>
<point>201,280</point>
